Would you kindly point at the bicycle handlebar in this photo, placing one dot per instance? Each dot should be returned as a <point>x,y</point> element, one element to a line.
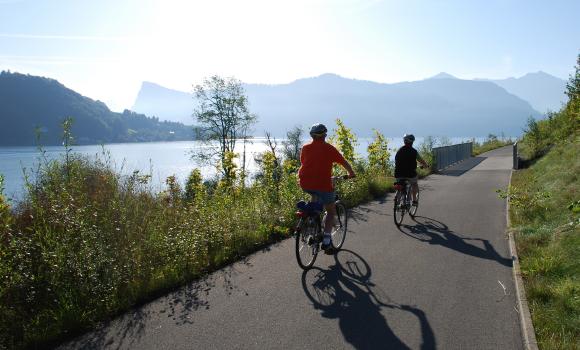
<point>342,177</point>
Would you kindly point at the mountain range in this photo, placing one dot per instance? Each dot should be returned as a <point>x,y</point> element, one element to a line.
<point>440,105</point>
<point>29,103</point>
<point>542,90</point>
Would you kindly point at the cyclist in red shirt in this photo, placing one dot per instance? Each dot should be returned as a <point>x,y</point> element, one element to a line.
<point>317,158</point>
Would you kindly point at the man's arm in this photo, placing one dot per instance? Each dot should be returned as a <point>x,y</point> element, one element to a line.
<point>420,160</point>
<point>339,158</point>
<point>348,168</point>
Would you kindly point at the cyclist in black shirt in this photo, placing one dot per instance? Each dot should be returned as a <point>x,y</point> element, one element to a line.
<point>406,164</point>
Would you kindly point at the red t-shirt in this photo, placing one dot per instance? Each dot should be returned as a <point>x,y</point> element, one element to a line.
<point>317,158</point>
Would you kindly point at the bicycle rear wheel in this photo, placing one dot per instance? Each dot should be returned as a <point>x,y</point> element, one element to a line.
<point>339,229</point>
<point>399,208</point>
<point>306,233</point>
<point>414,208</point>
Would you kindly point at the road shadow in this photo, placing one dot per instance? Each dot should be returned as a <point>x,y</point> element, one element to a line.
<point>437,233</point>
<point>180,305</point>
<point>363,212</point>
<point>462,167</point>
<point>346,292</point>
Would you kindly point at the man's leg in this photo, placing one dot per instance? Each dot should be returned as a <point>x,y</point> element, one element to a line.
<point>415,190</point>
<point>328,223</point>
<point>330,212</point>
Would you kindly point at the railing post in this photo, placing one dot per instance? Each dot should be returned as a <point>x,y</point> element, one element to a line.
<point>516,164</point>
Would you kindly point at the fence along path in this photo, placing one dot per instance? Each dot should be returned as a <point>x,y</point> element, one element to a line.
<point>448,155</point>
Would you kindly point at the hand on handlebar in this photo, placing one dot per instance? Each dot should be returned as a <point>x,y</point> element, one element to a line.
<point>343,177</point>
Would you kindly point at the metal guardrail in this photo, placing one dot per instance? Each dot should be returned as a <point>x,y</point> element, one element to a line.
<point>447,155</point>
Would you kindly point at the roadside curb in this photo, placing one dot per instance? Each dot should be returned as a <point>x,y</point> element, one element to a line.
<point>526,324</point>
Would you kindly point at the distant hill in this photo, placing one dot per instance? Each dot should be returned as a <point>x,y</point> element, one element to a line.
<point>172,105</point>
<point>542,90</point>
<point>443,75</point>
<point>29,102</point>
<point>442,106</point>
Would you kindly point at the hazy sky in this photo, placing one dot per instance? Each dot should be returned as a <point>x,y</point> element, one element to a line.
<point>105,48</point>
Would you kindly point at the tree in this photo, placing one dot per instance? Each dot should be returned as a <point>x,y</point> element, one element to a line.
<point>345,140</point>
<point>573,85</point>
<point>378,153</point>
<point>223,117</point>
<point>534,137</point>
<point>293,144</point>
<point>573,105</point>
<point>194,185</point>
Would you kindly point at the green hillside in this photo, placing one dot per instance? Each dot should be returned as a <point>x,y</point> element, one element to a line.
<point>31,104</point>
<point>545,213</point>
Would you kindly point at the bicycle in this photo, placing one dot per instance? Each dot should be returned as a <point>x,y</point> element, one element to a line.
<point>308,231</point>
<point>403,199</point>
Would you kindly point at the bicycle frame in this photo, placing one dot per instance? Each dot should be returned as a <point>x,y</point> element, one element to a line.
<point>312,217</point>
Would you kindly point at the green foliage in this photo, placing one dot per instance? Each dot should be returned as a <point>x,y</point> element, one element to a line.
<point>94,122</point>
<point>547,228</point>
<point>194,188</point>
<point>293,144</point>
<point>345,140</point>
<point>224,117</point>
<point>561,126</point>
<point>5,215</point>
<point>426,150</point>
<point>379,154</point>
<point>228,168</point>
<point>534,137</point>
<point>544,212</point>
<point>574,207</point>
<point>573,85</point>
<point>492,142</point>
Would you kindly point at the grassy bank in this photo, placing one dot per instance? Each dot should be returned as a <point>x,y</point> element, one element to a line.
<point>491,143</point>
<point>87,243</point>
<point>545,216</point>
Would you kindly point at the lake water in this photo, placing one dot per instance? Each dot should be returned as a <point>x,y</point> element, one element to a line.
<point>160,159</point>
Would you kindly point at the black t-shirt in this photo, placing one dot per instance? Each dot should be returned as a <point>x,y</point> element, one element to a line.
<point>406,162</point>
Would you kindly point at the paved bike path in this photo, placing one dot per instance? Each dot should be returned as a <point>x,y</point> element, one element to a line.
<point>441,282</point>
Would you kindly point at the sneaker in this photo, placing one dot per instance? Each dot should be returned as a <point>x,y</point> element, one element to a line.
<point>325,246</point>
<point>328,249</point>
<point>326,242</point>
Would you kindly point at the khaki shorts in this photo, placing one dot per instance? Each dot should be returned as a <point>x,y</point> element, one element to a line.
<point>411,180</point>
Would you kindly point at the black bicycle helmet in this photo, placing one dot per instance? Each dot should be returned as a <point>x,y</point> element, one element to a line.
<point>409,138</point>
<point>318,130</point>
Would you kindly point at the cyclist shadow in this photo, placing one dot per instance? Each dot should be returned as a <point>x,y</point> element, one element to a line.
<point>345,292</point>
<point>435,232</point>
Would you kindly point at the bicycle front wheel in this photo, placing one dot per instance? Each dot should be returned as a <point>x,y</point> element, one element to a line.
<point>306,242</point>
<point>399,208</point>
<point>339,228</point>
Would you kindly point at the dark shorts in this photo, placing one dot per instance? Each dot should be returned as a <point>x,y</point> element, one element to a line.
<point>412,180</point>
<point>322,197</point>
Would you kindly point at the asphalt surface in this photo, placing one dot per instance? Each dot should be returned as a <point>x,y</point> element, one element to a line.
<point>441,282</point>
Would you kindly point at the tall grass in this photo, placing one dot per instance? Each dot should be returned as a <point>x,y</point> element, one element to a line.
<point>87,243</point>
<point>490,143</point>
<point>547,225</point>
<point>545,213</point>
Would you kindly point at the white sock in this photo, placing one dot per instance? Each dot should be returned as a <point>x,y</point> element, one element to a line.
<point>326,238</point>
